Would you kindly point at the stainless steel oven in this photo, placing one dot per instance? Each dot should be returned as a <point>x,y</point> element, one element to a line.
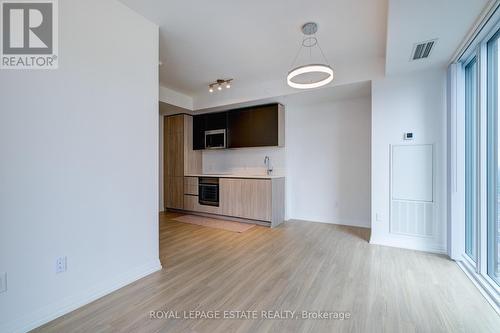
<point>208,191</point>
<point>215,139</point>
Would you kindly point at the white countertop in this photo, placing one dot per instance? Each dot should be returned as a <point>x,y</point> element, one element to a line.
<point>227,175</point>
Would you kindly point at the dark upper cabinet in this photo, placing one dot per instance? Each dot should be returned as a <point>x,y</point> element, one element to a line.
<point>199,128</point>
<point>253,127</point>
<point>215,121</point>
<point>257,126</point>
<point>207,122</point>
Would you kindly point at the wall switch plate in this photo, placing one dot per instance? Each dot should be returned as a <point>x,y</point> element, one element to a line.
<point>61,265</point>
<point>409,136</point>
<point>3,282</point>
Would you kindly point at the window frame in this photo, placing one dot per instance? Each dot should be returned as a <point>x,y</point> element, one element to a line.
<point>474,59</point>
<point>491,148</point>
<point>477,271</point>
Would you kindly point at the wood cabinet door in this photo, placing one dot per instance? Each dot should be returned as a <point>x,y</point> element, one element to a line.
<point>191,204</point>
<point>246,198</point>
<point>174,192</point>
<point>191,185</point>
<point>174,162</point>
<point>174,146</point>
<point>254,127</point>
<point>192,158</point>
<point>199,132</point>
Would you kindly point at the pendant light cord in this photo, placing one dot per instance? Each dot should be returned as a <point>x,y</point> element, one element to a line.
<point>297,55</point>
<point>321,50</point>
<point>310,51</point>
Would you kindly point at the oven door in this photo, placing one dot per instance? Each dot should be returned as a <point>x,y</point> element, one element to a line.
<point>208,194</point>
<point>215,139</point>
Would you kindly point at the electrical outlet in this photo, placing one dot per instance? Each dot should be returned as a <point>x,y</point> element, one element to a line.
<point>378,217</point>
<point>3,282</point>
<point>61,265</point>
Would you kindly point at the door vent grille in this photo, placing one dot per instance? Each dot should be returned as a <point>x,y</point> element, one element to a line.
<point>423,50</point>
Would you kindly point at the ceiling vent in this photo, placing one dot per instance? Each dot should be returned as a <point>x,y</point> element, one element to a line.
<point>423,50</point>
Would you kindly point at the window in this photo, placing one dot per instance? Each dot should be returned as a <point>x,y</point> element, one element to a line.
<point>493,166</point>
<point>471,159</point>
<point>474,187</point>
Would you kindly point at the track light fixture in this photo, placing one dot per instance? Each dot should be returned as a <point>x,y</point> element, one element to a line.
<point>219,83</point>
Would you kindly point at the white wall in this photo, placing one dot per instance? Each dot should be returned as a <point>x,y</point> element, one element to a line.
<point>326,160</point>
<point>410,103</point>
<point>176,98</point>
<point>79,165</point>
<point>247,161</point>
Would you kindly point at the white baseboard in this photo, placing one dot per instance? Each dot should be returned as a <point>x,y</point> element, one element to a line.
<point>79,299</point>
<point>346,222</point>
<point>409,244</point>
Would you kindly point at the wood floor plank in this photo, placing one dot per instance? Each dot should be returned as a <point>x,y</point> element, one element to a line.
<point>298,266</point>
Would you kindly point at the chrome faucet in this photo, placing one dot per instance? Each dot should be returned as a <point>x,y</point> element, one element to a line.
<point>267,162</point>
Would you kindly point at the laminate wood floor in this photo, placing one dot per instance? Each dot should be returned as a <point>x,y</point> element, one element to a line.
<point>298,266</point>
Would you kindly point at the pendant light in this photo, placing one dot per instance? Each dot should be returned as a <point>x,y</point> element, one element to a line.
<point>325,71</point>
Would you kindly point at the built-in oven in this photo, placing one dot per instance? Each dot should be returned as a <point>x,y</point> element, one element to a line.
<point>215,139</point>
<point>208,191</point>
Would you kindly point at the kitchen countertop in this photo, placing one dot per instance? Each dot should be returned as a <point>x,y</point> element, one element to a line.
<point>227,175</point>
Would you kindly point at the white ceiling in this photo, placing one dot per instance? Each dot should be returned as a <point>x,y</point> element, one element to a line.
<point>308,97</point>
<point>255,41</point>
<point>411,21</point>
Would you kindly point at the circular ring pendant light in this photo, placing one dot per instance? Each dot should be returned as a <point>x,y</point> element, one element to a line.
<point>310,41</point>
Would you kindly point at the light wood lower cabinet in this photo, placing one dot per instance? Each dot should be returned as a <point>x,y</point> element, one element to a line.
<point>246,198</point>
<point>191,185</point>
<point>191,204</point>
<point>174,197</point>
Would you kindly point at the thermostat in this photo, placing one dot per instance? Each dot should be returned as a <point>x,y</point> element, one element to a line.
<point>408,136</point>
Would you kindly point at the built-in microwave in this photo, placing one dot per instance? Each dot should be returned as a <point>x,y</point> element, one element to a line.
<point>215,139</point>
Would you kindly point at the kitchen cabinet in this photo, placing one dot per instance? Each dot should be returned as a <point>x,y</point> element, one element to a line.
<point>258,200</point>
<point>215,121</point>
<point>207,122</point>
<point>259,126</point>
<point>191,204</point>
<point>179,158</point>
<point>174,192</point>
<point>256,126</point>
<point>254,199</point>
<point>174,147</point>
<point>246,198</point>
<point>191,185</point>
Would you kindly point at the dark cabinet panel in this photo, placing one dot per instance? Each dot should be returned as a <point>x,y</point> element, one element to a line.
<point>199,132</point>
<point>256,126</point>
<point>215,121</point>
<point>207,122</point>
<point>253,127</point>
